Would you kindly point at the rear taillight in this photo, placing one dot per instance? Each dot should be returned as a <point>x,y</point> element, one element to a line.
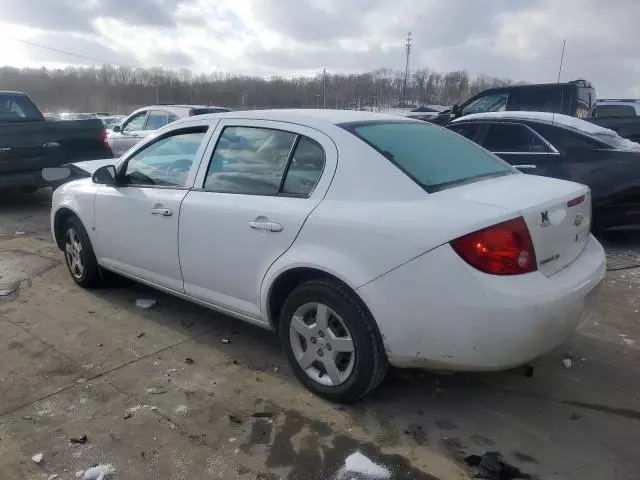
<point>105,140</point>
<point>503,249</point>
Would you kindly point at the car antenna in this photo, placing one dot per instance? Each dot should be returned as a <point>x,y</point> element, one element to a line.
<point>564,44</point>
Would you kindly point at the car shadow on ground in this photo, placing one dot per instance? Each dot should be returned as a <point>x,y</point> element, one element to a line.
<point>532,421</point>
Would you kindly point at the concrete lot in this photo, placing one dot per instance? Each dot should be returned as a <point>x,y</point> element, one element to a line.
<point>75,362</point>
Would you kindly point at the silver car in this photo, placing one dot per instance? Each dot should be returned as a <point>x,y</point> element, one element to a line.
<point>145,120</point>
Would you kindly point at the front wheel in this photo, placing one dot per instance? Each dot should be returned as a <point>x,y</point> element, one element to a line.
<point>79,256</point>
<point>332,342</point>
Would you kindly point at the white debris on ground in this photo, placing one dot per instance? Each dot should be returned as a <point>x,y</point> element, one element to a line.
<point>37,458</point>
<point>359,463</point>
<point>96,473</point>
<point>567,363</point>
<point>181,410</point>
<point>53,476</point>
<point>626,339</point>
<point>145,303</point>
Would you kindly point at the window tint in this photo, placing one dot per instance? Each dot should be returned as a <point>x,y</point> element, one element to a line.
<point>167,161</point>
<point>305,168</point>
<point>468,130</point>
<point>495,102</point>
<point>563,138</point>
<point>614,111</point>
<point>157,120</point>
<point>136,123</point>
<point>249,160</point>
<point>512,138</point>
<point>16,108</point>
<point>434,157</point>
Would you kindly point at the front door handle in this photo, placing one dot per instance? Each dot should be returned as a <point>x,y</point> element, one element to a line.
<point>268,226</point>
<point>51,145</point>
<point>526,167</point>
<point>165,212</point>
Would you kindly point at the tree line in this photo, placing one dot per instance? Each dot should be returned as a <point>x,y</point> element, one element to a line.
<point>121,89</point>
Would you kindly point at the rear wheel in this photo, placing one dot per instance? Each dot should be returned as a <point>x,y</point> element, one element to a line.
<point>79,256</point>
<point>331,341</point>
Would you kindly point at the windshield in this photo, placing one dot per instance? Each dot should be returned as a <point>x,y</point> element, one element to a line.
<point>434,157</point>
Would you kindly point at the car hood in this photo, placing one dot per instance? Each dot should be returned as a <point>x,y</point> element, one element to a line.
<point>91,166</point>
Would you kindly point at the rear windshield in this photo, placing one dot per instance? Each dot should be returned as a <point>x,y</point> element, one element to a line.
<point>433,157</point>
<point>204,110</point>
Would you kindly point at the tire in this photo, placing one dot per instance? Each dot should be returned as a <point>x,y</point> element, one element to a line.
<point>358,372</point>
<point>84,270</point>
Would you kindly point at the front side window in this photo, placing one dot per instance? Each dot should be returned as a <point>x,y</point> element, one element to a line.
<point>249,160</point>
<point>157,120</point>
<point>495,102</point>
<point>433,157</point>
<point>509,138</point>
<point>165,162</point>
<point>136,123</point>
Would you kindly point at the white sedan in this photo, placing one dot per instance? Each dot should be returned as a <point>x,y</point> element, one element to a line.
<point>363,239</point>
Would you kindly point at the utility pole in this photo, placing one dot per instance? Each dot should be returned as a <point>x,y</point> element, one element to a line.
<point>324,88</point>
<point>406,67</point>
<point>564,44</point>
<point>318,101</point>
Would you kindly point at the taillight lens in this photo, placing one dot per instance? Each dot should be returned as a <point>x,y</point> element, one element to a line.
<point>503,249</point>
<point>105,140</point>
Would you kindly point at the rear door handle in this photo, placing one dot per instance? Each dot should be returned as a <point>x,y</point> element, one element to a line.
<point>164,212</point>
<point>51,145</point>
<point>526,167</point>
<point>268,226</point>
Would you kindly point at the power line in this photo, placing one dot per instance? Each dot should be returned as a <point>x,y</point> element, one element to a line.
<point>77,55</point>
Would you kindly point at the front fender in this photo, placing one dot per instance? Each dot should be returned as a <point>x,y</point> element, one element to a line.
<point>75,198</point>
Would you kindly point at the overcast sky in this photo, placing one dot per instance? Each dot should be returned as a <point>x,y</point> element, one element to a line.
<point>515,39</point>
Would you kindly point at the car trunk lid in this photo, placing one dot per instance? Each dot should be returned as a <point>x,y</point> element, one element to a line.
<point>557,213</point>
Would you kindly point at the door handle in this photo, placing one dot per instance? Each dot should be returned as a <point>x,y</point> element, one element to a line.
<point>526,167</point>
<point>51,145</point>
<point>165,212</point>
<point>268,226</point>
<point>5,149</point>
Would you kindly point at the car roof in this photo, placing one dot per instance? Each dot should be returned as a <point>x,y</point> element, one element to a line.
<point>539,117</point>
<point>308,116</point>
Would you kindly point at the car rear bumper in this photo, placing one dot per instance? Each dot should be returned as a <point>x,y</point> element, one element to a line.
<point>438,312</point>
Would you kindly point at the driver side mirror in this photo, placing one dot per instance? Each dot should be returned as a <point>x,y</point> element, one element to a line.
<point>117,128</point>
<point>105,175</point>
<point>455,111</point>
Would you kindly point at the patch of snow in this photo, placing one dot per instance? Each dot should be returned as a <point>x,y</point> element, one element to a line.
<point>359,463</point>
<point>145,303</point>
<point>181,410</point>
<point>37,458</point>
<point>98,473</point>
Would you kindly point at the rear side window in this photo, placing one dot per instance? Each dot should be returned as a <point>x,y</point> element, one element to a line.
<point>157,120</point>
<point>509,138</point>
<point>433,157</point>
<point>249,160</point>
<point>469,130</point>
<point>205,110</point>
<point>305,168</point>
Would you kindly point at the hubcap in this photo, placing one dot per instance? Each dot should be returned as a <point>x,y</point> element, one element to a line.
<point>73,253</point>
<point>322,344</point>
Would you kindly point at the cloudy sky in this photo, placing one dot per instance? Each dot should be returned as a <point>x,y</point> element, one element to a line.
<point>515,39</point>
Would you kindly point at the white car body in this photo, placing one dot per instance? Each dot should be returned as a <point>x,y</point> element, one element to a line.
<point>368,225</point>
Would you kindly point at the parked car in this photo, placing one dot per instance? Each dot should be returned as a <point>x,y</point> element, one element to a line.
<point>144,121</point>
<point>568,148</point>
<point>77,116</point>
<point>606,108</point>
<point>111,121</point>
<point>574,98</point>
<point>29,142</point>
<point>622,116</point>
<point>363,239</point>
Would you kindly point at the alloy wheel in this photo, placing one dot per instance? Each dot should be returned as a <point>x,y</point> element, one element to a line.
<point>322,344</point>
<point>73,253</point>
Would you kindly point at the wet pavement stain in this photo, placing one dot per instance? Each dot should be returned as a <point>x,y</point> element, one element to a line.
<point>444,425</point>
<point>524,458</point>
<point>481,441</point>
<point>319,454</point>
